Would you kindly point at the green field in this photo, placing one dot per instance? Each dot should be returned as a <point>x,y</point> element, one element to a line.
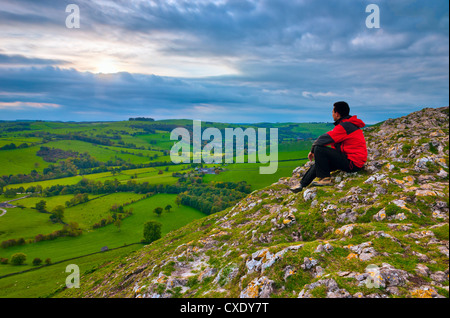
<point>101,153</point>
<point>43,282</point>
<point>290,156</point>
<point>150,175</point>
<point>27,223</point>
<point>24,223</point>
<point>21,161</point>
<point>249,172</point>
<point>161,140</point>
<point>52,202</point>
<point>92,241</point>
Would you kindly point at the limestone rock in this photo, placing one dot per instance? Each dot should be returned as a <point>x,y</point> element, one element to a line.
<point>422,270</point>
<point>261,287</point>
<point>332,289</point>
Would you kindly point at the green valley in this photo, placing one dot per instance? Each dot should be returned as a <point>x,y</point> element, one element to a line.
<point>106,179</point>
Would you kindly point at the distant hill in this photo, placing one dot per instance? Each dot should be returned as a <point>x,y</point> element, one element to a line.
<point>136,143</point>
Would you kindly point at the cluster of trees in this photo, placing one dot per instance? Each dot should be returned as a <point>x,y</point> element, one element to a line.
<point>99,139</point>
<point>159,210</point>
<point>212,198</point>
<point>8,126</point>
<point>13,146</point>
<point>110,186</point>
<point>20,258</point>
<point>41,206</point>
<point>118,214</point>
<point>192,187</point>
<point>11,193</point>
<point>57,214</point>
<point>55,154</point>
<point>78,198</point>
<point>12,242</point>
<point>153,127</point>
<point>152,231</point>
<point>71,229</point>
<point>141,119</point>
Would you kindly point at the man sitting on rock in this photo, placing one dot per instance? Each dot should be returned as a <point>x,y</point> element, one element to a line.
<point>348,151</point>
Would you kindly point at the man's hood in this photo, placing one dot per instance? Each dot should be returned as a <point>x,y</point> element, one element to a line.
<point>354,120</point>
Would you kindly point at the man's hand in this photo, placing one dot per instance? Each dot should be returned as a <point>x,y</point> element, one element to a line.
<point>311,156</point>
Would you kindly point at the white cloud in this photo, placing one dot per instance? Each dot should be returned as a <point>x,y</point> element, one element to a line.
<point>318,94</point>
<point>380,40</point>
<point>23,105</point>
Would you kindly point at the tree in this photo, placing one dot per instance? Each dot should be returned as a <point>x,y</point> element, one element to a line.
<point>57,214</point>
<point>152,231</point>
<point>71,229</point>
<point>178,200</point>
<point>38,189</point>
<point>41,206</point>
<point>168,207</point>
<point>37,261</point>
<point>10,193</point>
<point>18,259</point>
<point>158,211</point>
<point>118,223</point>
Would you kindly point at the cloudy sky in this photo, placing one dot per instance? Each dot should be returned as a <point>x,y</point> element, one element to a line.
<point>221,60</point>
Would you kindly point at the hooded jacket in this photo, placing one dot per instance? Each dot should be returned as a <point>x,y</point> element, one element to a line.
<point>348,138</point>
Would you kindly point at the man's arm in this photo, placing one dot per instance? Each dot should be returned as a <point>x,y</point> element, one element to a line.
<point>336,135</point>
<point>323,140</point>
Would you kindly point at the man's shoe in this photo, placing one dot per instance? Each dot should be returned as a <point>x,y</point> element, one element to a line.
<point>297,189</point>
<point>322,182</point>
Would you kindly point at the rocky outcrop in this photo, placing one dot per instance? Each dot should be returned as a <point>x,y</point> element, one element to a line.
<point>378,233</point>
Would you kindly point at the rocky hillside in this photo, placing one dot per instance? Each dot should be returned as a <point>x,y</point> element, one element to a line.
<point>381,232</point>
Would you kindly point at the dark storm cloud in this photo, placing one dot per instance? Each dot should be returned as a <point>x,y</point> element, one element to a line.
<point>17,59</point>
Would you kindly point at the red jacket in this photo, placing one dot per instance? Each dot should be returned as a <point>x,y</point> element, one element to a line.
<point>348,138</point>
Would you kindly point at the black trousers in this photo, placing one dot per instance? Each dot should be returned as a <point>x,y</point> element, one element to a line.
<point>327,160</point>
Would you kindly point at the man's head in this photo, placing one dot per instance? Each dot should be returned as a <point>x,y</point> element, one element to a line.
<point>340,110</point>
